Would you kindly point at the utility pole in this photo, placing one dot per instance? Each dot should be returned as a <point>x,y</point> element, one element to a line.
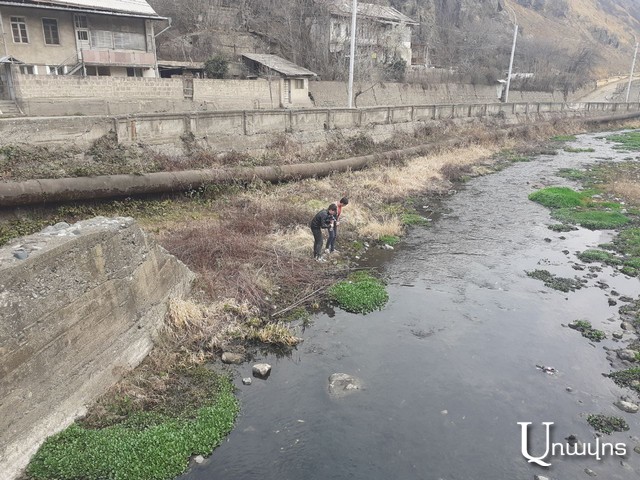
<point>354,9</point>
<point>633,65</point>
<point>513,51</point>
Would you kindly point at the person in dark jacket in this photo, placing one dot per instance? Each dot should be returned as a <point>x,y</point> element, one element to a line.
<point>333,233</point>
<point>323,219</point>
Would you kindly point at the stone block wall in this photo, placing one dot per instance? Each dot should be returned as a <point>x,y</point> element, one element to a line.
<point>237,94</point>
<point>71,86</point>
<point>79,306</point>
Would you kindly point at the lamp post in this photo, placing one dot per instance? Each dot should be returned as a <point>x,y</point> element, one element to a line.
<point>633,65</point>
<point>352,56</point>
<point>513,51</point>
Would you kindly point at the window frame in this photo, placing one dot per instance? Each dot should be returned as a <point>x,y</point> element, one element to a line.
<point>16,22</point>
<point>44,32</point>
<point>298,83</point>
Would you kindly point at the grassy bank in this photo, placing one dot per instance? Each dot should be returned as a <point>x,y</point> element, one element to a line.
<point>250,246</point>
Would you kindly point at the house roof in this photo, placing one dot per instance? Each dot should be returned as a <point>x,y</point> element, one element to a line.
<point>279,64</point>
<point>10,59</point>
<point>377,12</point>
<point>126,7</point>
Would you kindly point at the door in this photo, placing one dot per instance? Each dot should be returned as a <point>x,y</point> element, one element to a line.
<point>83,41</point>
<point>6,82</point>
<point>287,91</point>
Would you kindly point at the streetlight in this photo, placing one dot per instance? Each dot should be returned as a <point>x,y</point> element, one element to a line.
<point>513,51</point>
<point>633,65</point>
<point>354,9</point>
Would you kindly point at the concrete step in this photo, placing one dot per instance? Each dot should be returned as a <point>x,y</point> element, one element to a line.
<point>8,108</point>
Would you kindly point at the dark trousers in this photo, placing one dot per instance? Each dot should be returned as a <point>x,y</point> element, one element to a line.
<point>317,242</point>
<point>331,241</point>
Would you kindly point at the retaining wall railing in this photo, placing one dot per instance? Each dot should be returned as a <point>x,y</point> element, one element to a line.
<point>159,128</point>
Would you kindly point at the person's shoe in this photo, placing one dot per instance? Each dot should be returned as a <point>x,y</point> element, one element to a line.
<point>327,250</point>
<point>320,260</point>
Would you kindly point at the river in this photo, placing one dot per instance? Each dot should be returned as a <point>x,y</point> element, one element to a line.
<point>449,365</point>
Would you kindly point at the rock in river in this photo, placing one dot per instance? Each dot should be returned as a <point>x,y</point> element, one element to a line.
<point>261,370</point>
<point>235,358</point>
<point>341,384</point>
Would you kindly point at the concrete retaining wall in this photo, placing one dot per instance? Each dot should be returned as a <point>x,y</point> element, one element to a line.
<point>253,130</point>
<point>79,306</point>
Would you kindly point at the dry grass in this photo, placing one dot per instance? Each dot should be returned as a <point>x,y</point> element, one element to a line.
<point>626,189</point>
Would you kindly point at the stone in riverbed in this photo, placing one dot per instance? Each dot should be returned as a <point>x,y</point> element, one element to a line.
<point>246,381</point>
<point>261,370</point>
<point>341,384</point>
<point>626,405</point>
<point>627,354</point>
<point>234,358</point>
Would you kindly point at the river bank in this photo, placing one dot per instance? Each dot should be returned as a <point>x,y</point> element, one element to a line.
<point>251,246</point>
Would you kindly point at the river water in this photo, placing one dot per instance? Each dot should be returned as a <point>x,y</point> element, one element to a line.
<point>449,365</point>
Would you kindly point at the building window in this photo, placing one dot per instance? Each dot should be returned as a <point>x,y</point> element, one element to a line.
<point>298,84</point>
<point>55,70</point>
<point>19,29</point>
<point>93,71</point>
<point>80,21</point>
<point>134,72</point>
<point>50,27</point>
<point>27,69</point>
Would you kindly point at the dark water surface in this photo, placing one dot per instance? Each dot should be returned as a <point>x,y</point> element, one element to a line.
<point>449,366</point>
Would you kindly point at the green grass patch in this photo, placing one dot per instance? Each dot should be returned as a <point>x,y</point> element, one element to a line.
<point>559,197</point>
<point>578,150</point>
<point>591,219</point>
<point>359,293</point>
<point>563,138</point>
<point>626,141</point>
<point>151,445</point>
<point>629,378</point>
<point>593,255</point>
<point>413,219</point>
<point>557,283</point>
<point>628,242</point>
<point>561,227</point>
<point>389,239</point>
<point>607,424</point>
<point>587,331</point>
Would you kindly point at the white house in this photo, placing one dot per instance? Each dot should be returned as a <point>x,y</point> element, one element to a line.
<point>383,33</point>
<point>82,37</point>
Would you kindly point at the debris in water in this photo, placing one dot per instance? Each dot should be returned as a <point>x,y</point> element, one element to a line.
<point>549,370</point>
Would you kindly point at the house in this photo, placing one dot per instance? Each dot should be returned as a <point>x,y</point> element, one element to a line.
<point>382,33</point>
<point>291,80</point>
<point>80,37</point>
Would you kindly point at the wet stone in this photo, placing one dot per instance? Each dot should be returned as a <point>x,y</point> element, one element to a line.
<point>21,254</point>
<point>578,267</point>
<point>198,459</point>
<point>232,358</point>
<point>617,335</point>
<point>261,370</point>
<point>612,302</point>
<point>624,298</point>
<point>626,406</point>
<point>540,477</point>
<point>341,384</point>
<point>627,354</point>
<point>636,449</point>
<point>246,381</point>
<point>626,326</point>
<point>590,472</point>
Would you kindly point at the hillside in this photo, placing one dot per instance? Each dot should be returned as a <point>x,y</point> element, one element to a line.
<point>564,43</point>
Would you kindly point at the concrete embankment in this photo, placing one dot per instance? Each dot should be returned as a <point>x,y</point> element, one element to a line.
<point>79,306</point>
<point>111,186</point>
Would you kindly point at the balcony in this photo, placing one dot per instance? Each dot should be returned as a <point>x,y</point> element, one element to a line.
<point>122,58</point>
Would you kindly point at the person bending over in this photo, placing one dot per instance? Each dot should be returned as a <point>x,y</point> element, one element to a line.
<point>323,219</point>
<point>333,233</point>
